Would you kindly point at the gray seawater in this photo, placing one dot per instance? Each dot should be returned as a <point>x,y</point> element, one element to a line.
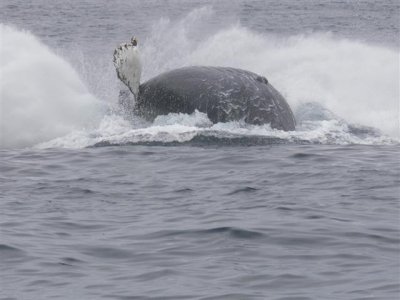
<point>176,211</point>
<point>271,222</point>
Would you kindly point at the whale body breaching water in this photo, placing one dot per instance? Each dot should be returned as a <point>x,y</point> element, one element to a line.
<point>224,94</point>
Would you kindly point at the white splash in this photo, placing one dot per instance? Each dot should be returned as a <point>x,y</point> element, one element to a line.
<point>42,96</point>
<point>356,81</point>
<point>338,88</point>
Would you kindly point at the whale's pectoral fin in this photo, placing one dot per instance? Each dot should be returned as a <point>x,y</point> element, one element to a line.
<point>127,64</point>
<point>121,54</point>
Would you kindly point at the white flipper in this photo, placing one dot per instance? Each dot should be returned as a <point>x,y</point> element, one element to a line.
<point>128,66</point>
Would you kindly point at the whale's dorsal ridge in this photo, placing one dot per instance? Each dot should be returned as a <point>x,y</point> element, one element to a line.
<point>262,79</point>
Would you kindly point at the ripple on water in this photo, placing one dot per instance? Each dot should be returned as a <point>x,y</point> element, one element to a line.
<point>247,189</point>
<point>236,233</point>
<point>11,254</point>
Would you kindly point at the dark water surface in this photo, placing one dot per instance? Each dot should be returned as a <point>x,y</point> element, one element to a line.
<point>277,222</point>
<point>179,208</point>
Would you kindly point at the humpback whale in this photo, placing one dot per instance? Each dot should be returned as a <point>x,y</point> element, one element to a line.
<point>223,93</point>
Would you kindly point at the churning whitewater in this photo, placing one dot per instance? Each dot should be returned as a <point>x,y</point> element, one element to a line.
<point>341,91</point>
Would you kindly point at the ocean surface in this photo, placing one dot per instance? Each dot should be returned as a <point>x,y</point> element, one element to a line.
<point>97,203</point>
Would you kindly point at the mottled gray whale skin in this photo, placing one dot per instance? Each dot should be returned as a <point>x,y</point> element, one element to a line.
<point>224,94</point>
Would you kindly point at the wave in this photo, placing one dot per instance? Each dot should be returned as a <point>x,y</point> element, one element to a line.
<point>341,91</point>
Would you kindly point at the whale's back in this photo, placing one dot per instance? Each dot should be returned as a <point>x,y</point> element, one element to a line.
<point>225,94</point>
